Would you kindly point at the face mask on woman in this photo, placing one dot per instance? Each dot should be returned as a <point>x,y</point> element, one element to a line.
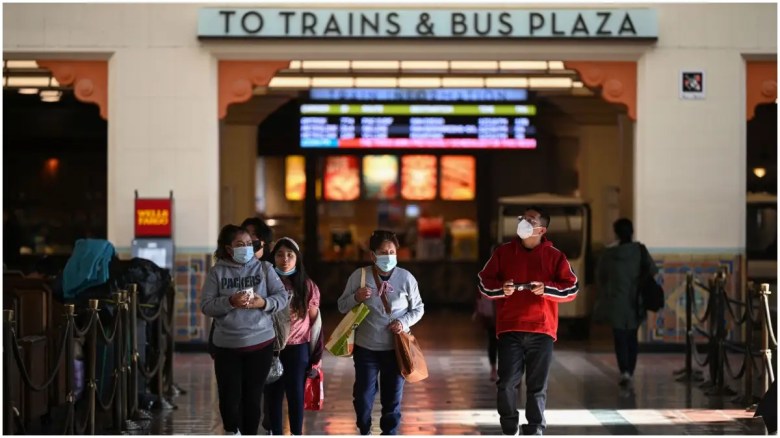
<point>525,229</point>
<point>386,263</point>
<point>243,254</point>
<point>285,274</point>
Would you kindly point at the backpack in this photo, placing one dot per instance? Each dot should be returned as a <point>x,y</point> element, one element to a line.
<point>88,266</point>
<point>650,295</point>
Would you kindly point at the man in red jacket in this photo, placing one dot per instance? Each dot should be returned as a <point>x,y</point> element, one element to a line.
<point>528,277</point>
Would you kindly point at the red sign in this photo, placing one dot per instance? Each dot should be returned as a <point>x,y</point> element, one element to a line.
<point>153,217</point>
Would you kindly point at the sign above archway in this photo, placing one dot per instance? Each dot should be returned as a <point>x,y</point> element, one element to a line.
<point>297,23</point>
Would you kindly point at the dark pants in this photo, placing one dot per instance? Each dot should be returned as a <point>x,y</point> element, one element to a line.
<point>377,370</point>
<point>492,345</point>
<point>240,380</point>
<point>517,350</point>
<point>626,349</point>
<point>295,360</point>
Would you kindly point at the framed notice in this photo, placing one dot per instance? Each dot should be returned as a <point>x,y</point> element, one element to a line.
<point>419,177</point>
<point>692,84</point>
<point>342,178</point>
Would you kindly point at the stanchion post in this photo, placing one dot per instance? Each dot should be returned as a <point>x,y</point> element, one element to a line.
<point>712,324</point>
<point>134,349</point>
<point>118,349</point>
<point>8,394</point>
<point>721,328</point>
<point>92,365</point>
<point>689,345</point>
<point>748,377</point>
<point>170,309</point>
<point>765,350</point>
<point>70,312</point>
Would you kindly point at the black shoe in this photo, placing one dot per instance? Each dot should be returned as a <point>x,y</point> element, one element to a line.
<point>532,430</point>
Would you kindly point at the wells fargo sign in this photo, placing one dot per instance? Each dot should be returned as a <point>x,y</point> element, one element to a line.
<point>153,217</point>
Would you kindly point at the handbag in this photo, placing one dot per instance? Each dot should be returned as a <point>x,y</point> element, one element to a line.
<point>341,342</point>
<point>408,354</point>
<point>276,371</point>
<point>314,391</point>
<point>650,295</point>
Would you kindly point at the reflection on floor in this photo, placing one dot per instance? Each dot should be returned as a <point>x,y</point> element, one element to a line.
<point>458,398</point>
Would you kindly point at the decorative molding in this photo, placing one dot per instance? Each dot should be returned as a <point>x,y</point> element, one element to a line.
<point>617,80</point>
<point>760,84</point>
<point>237,80</point>
<point>89,80</point>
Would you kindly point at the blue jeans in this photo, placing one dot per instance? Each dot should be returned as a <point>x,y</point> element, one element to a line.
<point>295,360</point>
<point>518,351</point>
<point>377,370</point>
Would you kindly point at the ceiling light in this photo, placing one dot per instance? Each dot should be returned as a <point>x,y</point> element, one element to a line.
<point>326,65</point>
<point>577,84</point>
<point>523,65</point>
<point>290,82</point>
<point>50,99</point>
<point>463,82</point>
<point>474,65</point>
<point>11,64</point>
<point>28,91</point>
<point>28,81</point>
<point>376,82</point>
<point>339,82</point>
<point>376,65</point>
<point>419,82</point>
<point>506,82</point>
<point>556,65</point>
<point>759,172</point>
<point>51,93</point>
<point>424,65</point>
<point>295,65</point>
<point>550,82</point>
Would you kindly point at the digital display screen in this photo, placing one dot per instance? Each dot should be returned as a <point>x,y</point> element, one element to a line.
<point>468,126</point>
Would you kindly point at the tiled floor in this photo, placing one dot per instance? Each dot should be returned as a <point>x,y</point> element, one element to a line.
<point>458,398</point>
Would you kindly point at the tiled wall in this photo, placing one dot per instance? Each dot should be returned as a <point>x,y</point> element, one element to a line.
<point>669,324</point>
<point>189,275</point>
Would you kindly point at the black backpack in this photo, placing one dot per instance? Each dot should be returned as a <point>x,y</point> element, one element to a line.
<point>650,295</point>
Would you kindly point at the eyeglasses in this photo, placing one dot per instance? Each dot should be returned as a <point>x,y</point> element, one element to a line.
<point>531,221</point>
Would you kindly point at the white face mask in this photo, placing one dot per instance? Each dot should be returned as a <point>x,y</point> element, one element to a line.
<point>524,229</point>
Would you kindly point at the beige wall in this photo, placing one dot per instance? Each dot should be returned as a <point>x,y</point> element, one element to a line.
<point>237,159</point>
<point>163,131</point>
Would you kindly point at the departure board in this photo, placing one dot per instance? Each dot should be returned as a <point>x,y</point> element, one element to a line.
<point>351,126</point>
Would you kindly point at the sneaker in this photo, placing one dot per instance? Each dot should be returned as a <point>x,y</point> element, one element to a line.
<point>625,379</point>
<point>238,432</point>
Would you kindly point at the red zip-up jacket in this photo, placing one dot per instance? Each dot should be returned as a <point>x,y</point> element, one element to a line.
<point>523,311</point>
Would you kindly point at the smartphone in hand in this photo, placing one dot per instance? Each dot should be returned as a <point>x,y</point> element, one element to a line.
<point>521,286</point>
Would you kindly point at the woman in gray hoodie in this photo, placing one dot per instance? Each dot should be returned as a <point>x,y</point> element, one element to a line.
<point>241,293</point>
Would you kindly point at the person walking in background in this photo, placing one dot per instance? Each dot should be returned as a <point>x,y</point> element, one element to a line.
<point>528,277</point>
<point>261,235</point>
<point>241,293</point>
<point>392,295</point>
<point>617,277</point>
<point>296,355</point>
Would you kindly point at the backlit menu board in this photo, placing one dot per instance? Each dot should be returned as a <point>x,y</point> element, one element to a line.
<point>342,178</point>
<point>419,177</point>
<point>458,177</point>
<point>380,176</point>
<point>294,178</point>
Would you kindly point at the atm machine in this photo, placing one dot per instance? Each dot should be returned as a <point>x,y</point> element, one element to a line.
<point>154,230</point>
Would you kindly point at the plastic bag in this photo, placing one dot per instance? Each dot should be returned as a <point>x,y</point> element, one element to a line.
<point>276,371</point>
<point>314,391</point>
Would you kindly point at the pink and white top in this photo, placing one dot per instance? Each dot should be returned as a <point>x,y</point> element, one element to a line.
<point>300,328</point>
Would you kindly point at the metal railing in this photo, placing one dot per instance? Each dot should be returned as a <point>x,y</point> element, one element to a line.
<point>753,313</point>
<point>121,342</point>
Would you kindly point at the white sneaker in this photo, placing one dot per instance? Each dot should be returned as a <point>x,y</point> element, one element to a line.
<point>238,432</point>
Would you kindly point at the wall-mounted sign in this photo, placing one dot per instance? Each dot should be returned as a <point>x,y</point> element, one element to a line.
<point>429,24</point>
<point>153,217</point>
<point>342,178</point>
<point>692,84</point>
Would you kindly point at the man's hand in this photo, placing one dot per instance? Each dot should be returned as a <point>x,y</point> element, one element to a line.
<point>537,287</point>
<point>239,299</point>
<point>363,294</point>
<point>509,287</point>
<point>396,327</point>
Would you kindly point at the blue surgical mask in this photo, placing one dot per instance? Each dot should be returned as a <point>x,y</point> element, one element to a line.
<point>243,254</point>
<point>386,263</point>
<point>285,274</point>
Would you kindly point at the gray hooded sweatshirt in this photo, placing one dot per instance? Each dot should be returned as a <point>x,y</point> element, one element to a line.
<point>237,327</point>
